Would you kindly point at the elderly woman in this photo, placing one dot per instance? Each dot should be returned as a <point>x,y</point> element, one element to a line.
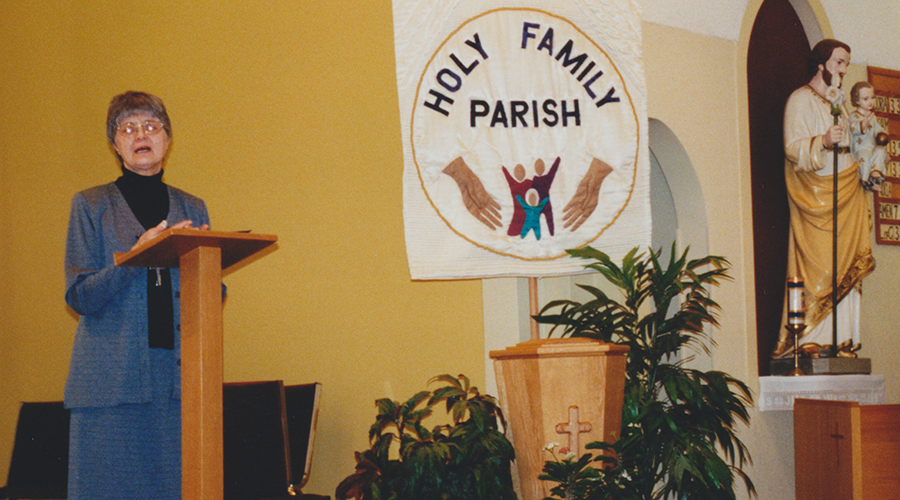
<point>124,382</point>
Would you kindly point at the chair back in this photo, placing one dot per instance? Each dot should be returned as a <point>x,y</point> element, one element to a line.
<point>39,467</point>
<point>302,413</point>
<point>255,440</point>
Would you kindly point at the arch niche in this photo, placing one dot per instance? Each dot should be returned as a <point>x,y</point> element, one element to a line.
<point>676,199</point>
<point>780,42</point>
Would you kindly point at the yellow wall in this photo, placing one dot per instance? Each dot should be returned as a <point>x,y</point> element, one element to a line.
<point>286,122</point>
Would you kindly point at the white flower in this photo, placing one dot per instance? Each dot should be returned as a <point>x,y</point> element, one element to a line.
<point>834,96</point>
<point>550,446</point>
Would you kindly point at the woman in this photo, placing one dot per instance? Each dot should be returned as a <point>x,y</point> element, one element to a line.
<point>124,379</point>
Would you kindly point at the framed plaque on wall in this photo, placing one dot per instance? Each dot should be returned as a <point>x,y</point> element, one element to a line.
<point>887,111</point>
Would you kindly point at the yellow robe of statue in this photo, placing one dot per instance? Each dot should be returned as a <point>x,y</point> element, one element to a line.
<point>809,177</point>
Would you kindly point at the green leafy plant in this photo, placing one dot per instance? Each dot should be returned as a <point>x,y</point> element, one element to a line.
<point>468,458</point>
<point>678,438</point>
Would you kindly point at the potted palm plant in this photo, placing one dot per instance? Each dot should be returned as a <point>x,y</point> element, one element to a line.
<point>678,436</point>
<point>467,459</point>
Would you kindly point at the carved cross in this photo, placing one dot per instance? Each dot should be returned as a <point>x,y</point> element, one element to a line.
<point>837,444</point>
<point>573,428</point>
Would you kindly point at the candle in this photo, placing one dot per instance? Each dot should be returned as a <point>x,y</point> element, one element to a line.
<point>796,305</point>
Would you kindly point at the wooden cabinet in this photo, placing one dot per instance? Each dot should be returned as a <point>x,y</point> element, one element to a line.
<point>844,451</point>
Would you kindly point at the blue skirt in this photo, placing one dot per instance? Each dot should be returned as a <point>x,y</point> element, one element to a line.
<point>129,451</point>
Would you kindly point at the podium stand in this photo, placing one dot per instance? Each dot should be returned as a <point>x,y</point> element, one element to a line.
<point>565,390</point>
<point>201,256</point>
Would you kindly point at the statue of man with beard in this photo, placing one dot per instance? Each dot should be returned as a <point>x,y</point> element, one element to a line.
<point>811,139</point>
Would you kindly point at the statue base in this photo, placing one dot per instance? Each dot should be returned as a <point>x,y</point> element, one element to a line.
<point>822,366</point>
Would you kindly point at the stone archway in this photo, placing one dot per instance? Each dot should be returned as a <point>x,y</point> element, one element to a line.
<point>677,205</point>
<point>681,189</point>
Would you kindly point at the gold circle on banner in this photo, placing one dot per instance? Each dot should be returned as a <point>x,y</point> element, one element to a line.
<point>522,129</point>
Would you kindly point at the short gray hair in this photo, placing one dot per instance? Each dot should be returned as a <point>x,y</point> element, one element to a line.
<point>131,103</point>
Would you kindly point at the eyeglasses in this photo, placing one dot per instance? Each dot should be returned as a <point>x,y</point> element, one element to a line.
<point>150,127</point>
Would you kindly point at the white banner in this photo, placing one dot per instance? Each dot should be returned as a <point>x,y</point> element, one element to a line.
<point>524,134</point>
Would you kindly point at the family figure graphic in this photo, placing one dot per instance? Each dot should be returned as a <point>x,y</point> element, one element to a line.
<point>531,199</point>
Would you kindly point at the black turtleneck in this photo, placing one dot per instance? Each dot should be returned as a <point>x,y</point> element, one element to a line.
<point>148,199</point>
<point>147,196</point>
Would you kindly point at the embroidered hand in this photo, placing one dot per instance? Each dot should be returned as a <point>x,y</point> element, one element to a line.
<point>476,199</point>
<point>582,205</point>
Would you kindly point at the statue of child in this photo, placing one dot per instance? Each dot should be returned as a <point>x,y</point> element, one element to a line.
<point>867,137</point>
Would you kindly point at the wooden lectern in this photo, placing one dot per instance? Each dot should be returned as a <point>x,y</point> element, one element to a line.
<point>201,256</point>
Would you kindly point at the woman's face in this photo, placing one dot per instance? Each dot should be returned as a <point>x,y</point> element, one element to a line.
<point>142,153</point>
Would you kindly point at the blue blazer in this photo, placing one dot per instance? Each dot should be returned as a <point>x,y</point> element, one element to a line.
<point>111,358</point>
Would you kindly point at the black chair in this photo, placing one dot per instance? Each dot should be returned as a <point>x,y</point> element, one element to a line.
<point>302,415</point>
<point>268,432</point>
<point>268,437</point>
<point>40,460</point>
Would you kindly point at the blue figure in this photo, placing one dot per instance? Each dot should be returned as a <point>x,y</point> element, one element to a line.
<point>533,211</point>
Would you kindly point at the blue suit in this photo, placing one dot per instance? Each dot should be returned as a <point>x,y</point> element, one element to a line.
<point>125,397</point>
<point>110,358</point>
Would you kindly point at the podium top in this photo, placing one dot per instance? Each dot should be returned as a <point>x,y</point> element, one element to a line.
<point>559,348</point>
<point>166,249</point>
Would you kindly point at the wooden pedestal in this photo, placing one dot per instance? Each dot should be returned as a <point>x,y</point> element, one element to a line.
<point>567,391</point>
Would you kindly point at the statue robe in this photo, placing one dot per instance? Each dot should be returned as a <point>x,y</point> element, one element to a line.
<point>809,176</point>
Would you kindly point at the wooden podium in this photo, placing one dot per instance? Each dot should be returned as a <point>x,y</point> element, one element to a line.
<point>565,390</point>
<point>201,256</point>
<point>845,451</point>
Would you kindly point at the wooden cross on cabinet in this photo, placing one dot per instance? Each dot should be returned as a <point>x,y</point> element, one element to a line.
<point>573,428</point>
<point>837,436</point>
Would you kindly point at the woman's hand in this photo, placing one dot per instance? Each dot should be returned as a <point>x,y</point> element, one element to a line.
<point>153,232</point>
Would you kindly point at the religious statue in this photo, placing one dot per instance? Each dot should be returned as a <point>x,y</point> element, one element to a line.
<point>815,130</point>
<point>865,130</point>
